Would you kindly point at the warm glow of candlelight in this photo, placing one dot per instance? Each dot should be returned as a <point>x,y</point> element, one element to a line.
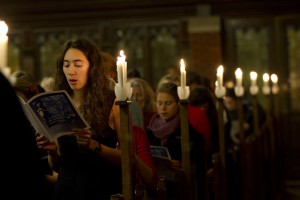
<point>266,77</point>
<point>3,28</point>
<point>253,77</point>
<point>239,77</point>
<point>274,78</point>
<point>122,56</point>
<point>220,72</point>
<point>122,68</point>
<point>275,88</point>
<point>3,44</point>
<point>182,74</point>
<point>182,65</point>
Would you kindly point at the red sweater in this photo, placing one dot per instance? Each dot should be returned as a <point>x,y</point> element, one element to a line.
<point>142,149</point>
<point>199,121</point>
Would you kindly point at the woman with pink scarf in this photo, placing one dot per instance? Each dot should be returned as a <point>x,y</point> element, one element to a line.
<point>164,130</point>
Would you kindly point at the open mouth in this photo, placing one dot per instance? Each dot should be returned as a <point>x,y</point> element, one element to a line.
<point>72,81</point>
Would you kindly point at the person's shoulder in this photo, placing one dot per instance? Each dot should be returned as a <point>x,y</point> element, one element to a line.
<point>139,132</point>
<point>149,114</point>
<point>195,109</point>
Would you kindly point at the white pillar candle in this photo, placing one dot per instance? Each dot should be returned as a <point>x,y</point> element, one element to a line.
<point>182,74</point>
<point>266,79</point>
<point>238,77</point>
<point>274,79</point>
<point>253,77</point>
<point>275,88</point>
<point>3,44</point>
<point>220,71</point>
<point>120,68</point>
<point>125,70</point>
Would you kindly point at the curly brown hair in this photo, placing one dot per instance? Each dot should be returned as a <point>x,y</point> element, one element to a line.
<point>98,98</point>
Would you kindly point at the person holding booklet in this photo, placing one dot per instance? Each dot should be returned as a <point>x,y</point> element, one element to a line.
<point>88,161</point>
<point>164,130</point>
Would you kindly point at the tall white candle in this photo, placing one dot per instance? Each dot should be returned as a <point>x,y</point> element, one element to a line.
<point>275,88</point>
<point>266,79</point>
<point>3,44</point>
<point>274,79</point>
<point>253,77</point>
<point>125,70</point>
<point>182,74</point>
<point>120,68</point>
<point>238,77</point>
<point>220,71</point>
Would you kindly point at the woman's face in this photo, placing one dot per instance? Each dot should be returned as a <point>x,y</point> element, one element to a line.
<point>229,103</point>
<point>76,68</point>
<point>137,95</point>
<point>166,105</point>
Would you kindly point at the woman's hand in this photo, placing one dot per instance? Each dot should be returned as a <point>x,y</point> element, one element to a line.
<point>175,165</point>
<point>83,137</point>
<point>43,143</point>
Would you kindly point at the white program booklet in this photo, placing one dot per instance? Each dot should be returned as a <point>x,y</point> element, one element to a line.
<point>53,114</point>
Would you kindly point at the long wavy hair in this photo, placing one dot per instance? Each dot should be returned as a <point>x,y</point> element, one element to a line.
<point>98,98</point>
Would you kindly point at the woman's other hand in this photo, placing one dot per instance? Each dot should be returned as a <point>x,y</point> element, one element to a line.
<point>44,143</point>
<point>175,165</point>
<point>83,137</point>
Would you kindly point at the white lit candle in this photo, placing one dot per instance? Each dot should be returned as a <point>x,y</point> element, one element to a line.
<point>121,69</point>
<point>266,87</point>
<point>266,79</point>
<point>124,69</point>
<point>3,44</point>
<point>238,77</point>
<point>275,88</point>
<point>220,71</point>
<point>274,79</point>
<point>253,77</point>
<point>182,74</point>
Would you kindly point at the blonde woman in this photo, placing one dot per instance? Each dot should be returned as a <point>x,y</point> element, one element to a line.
<point>144,95</point>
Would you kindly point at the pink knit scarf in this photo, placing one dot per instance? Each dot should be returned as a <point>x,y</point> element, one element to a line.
<point>163,129</point>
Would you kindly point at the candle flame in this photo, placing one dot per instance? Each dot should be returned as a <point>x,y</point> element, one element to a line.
<point>253,75</point>
<point>3,28</point>
<point>274,78</point>
<point>266,77</point>
<point>220,70</point>
<point>122,56</point>
<point>182,65</point>
<point>238,73</point>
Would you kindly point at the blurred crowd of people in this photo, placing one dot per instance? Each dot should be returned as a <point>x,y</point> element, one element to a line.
<point>87,164</point>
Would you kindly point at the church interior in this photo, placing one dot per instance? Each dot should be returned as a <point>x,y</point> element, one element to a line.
<point>254,35</point>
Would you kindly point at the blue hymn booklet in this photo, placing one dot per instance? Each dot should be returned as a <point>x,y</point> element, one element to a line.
<point>162,160</point>
<point>53,114</point>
